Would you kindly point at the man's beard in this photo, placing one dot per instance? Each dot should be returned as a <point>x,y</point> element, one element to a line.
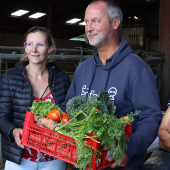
<point>102,38</point>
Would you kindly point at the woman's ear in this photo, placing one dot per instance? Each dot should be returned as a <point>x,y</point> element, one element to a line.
<point>51,48</point>
<point>116,23</point>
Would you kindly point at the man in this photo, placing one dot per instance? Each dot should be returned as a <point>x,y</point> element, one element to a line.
<point>115,68</point>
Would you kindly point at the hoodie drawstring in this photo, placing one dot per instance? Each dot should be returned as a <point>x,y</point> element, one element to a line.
<point>94,72</point>
<point>108,73</point>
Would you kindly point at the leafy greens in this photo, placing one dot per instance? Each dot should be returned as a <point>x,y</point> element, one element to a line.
<point>95,115</point>
<point>43,108</point>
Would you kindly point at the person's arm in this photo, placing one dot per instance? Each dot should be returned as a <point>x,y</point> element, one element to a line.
<point>164,131</point>
<point>6,109</point>
<point>145,98</point>
<point>145,126</point>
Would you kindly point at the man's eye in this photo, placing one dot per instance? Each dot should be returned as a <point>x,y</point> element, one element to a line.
<point>86,22</point>
<point>95,21</point>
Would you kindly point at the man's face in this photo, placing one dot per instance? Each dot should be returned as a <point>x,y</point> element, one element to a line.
<point>97,27</point>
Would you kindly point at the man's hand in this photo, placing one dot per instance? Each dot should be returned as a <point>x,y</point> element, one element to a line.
<point>123,162</point>
<point>17,133</point>
<point>68,166</point>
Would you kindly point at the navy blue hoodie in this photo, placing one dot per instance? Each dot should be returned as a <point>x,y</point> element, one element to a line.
<point>131,85</point>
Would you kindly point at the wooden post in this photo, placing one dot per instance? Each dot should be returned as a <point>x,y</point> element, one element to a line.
<point>164,36</point>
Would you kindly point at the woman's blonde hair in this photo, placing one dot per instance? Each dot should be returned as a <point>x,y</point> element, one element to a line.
<point>43,30</point>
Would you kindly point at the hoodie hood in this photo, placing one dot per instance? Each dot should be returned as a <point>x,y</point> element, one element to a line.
<point>95,71</point>
<point>123,50</point>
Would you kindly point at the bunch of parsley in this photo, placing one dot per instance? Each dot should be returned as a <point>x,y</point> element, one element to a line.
<point>43,108</point>
<point>95,115</point>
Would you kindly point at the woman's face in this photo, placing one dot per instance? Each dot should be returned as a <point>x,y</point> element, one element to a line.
<point>37,47</point>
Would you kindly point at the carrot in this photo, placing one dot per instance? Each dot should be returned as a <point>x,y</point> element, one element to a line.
<point>45,122</point>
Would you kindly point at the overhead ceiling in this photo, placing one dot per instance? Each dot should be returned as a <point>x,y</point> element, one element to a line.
<point>59,11</point>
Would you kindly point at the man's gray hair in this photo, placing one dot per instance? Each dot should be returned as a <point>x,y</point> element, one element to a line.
<point>113,10</point>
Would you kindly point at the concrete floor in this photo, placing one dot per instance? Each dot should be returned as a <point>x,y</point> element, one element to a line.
<point>158,160</point>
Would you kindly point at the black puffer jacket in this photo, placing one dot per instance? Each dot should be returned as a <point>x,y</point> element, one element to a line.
<point>16,95</point>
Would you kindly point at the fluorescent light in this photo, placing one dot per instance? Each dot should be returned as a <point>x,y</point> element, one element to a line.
<point>19,13</point>
<point>37,15</point>
<point>82,23</point>
<point>72,21</point>
<point>135,17</point>
<point>77,39</point>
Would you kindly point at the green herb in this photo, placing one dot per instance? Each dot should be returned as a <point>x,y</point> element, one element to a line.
<point>42,108</point>
<point>86,119</point>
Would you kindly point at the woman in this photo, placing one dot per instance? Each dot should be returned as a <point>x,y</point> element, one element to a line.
<point>164,132</point>
<point>29,81</point>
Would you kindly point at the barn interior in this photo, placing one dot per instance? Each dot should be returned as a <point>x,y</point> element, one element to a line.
<point>140,28</point>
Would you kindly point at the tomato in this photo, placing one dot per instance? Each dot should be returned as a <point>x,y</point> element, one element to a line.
<point>126,117</point>
<point>65,119</point>
<point>96,109</point>
<point>54,115</point>
<point>63,114</point>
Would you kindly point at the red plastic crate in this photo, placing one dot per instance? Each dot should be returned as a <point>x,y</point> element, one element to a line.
<point>58,145</point>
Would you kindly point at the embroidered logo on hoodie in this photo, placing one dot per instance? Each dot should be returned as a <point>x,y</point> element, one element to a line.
<point>85,92</point>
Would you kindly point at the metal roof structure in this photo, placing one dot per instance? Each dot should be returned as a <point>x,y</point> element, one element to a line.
<point>60,11</point>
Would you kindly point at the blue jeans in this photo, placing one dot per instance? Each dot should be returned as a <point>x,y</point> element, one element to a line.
<point>127,168</point>
<point>56,164</point>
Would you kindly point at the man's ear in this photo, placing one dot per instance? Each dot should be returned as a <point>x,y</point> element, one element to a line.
<point>116,23</point>
<point>51,48</point>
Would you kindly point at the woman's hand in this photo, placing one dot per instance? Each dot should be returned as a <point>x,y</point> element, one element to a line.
<point>17,133</point>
